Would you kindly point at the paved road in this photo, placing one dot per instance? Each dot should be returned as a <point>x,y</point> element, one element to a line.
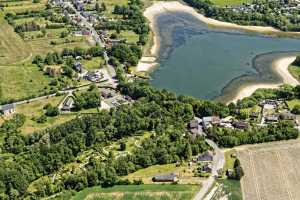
<point>68,91</point>
<point>218,163</point>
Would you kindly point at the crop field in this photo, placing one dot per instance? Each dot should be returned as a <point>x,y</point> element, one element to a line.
<point>139,192</point>
<point>271,171</point>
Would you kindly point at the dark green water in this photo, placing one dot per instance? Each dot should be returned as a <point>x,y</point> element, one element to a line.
<point>208,63</point>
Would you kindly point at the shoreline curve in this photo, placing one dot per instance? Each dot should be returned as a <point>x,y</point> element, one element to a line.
<point>280,66</point>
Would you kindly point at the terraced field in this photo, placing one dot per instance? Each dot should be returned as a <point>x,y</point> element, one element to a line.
<point>271,171</point>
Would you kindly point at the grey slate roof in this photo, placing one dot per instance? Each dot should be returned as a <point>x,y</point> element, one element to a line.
<point>7,107</point>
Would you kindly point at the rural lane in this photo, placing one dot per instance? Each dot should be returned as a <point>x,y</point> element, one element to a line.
<point>218,163</point>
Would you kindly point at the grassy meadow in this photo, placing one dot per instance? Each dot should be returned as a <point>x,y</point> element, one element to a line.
<point>18,82</point>
<point>35,109</point>
<point>223,3</point>
<point>139,192</point>
<point>12,48</point>
<point>295,71</point>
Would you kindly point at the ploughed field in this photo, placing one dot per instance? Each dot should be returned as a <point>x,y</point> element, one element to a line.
<point>271,171</point>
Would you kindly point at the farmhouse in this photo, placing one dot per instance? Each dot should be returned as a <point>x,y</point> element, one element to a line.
<point>165,178</point>
<point>271,118</point>
<point>206,156</point>
<point>193,126</point>
<point>240,125</point>
<point>7,109</point>
<point>210,121</point>
<point>287,116</point>
<point>207,167</point>
<point>68,104</point>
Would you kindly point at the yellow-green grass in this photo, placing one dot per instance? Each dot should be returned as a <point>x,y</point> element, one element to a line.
<point>229,160</point>
<point>12,48</point>
<point>130,36</point>
<point>131,143</point>
<point>92,64</point>
<point>25,6</point>
<point>293,103</point>
<point>139,192</point>
<point>185,174</point>
<point>42,46</point>
<point>110,4</point>
<point>39,20</point>
<point>35,109</point>
<point>21,9</point>
<point>230,2</point>
<point>17,82</point>
<point>295,71</point>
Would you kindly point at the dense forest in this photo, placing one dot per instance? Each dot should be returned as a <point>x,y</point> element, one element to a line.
<point>28,158</point>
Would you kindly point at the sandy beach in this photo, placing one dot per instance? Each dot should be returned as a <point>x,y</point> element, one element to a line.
<point>280,65</point>
<point>146,64</point>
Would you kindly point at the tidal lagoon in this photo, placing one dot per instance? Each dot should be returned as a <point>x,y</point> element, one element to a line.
<point>213,63</point>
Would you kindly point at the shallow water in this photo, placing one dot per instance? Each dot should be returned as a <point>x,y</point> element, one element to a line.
<point>203,62</point>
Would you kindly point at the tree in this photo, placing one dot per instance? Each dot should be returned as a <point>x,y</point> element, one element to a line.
<point>52,111</point>
<point>296,110</point>
<point>122,146</point>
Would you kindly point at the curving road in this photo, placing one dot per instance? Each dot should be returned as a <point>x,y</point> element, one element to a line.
<point>218,163</point>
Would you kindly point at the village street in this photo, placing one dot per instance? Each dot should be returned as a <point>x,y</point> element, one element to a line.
<point>218,163</point>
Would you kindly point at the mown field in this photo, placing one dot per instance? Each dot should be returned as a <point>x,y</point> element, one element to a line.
<point>185,174</point>
<point>271,171</point>
<point>12,48</point>
<point>21,81</point>
<point>139,192</point>
<point>230,2</point>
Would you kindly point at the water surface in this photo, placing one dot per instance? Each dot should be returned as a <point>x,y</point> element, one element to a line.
<point>208,63</point>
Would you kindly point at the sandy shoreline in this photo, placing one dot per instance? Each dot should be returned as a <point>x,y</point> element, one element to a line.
<point>280,65</point>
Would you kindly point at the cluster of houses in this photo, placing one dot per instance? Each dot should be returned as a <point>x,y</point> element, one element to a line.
<point>287,9</point>
<point>272,111</point>
<point>199,126</point>
<point>204,159</point>
<point>275,110</point>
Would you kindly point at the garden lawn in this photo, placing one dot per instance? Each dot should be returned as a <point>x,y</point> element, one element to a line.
<point>92,64</point>
<point>139,192</point>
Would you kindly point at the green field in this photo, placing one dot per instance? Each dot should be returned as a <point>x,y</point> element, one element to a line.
<point>12,48</point>
<point>35,109</point>
<point>230,2</point>
<point>19,7</point>
<point>229,161</point>
<point>22,81</point>
<point>295,71</point>
<point>232,188</point>
<point>139,192</point>
<point>293,103</point>
<point>94,63</point>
